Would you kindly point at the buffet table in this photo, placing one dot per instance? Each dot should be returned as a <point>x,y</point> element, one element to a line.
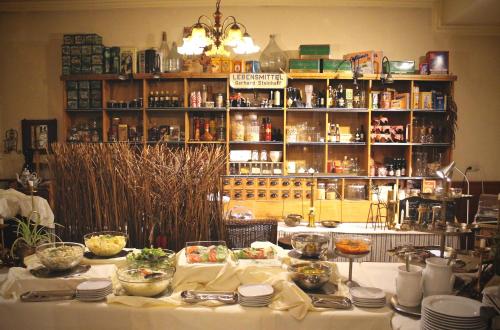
<point>80,315</point>
<point>382,239</point>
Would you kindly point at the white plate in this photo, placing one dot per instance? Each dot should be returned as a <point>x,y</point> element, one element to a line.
<point>255,290</point>
<point>444,318</point>
<point>432,325</point>
<point>367,293</point>
<point>452,306</point>
<point>93,285</point>
<point>443,322</point>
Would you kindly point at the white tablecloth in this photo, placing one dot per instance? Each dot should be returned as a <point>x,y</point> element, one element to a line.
<point>69,315</point>
<point>382,239</point>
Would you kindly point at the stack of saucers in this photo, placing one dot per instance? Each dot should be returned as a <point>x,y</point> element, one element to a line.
<point>93,290</point>
<point>255,295</point>
<point>368,297</point>
<point>451,312</point>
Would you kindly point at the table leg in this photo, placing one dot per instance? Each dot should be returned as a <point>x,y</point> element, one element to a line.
<point>442,244</point>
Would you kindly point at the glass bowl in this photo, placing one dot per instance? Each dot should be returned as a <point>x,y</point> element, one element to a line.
<point>60,256</point>
<point>145,282</point>
<point>310,245</point>
<point>105,243</point>
<point>353,244</point>
<point>310,275</point>
<point>151,258</point>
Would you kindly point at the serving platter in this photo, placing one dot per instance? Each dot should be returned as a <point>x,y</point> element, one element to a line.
<point>90,255</point>
<point>413,311</point>
<point>44,272</point>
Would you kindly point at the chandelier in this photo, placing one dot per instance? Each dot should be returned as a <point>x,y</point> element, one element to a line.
<point>214,36</point>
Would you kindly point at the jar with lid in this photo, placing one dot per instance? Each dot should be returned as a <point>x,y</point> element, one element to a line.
<point>220,131</point>
<point>238,128</point>
<point>321,192</point>
<point>252,128</point>
<point>331,190</point>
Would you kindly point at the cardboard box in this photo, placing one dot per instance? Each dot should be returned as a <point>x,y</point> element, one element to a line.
<point>428,186</point>
<point>416,97</point>
<point>122,132</point>
<point>252,66</point>
<point>335,66</point>
<point>237,66</point>
<point>225,65</point>
<point>304,66</point>
<point>438,62</point>
<point>315,52</point>
<point>425,100</point>
<point>216,64</point>
<point>128,60</point>
<point>371,62</point>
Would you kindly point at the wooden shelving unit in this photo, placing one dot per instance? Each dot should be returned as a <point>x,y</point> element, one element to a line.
<point>140,85</point>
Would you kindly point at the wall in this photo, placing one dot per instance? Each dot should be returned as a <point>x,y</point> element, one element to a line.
<point>30,60</point>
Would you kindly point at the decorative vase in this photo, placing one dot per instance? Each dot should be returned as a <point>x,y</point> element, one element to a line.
<point>273,58</point>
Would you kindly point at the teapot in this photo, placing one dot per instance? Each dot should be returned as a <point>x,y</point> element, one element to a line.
<point>26,177</point>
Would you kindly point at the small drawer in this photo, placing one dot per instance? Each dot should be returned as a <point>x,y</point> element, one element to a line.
<point>297,194</point>
<point>237,182</point>
<point>285,194</point>
<point>273,183</point>
<point>250,182</point>
<point>238,194</point>
<point>262,183</point>
<point>250,194</point>
<point>262,194</point>
<point>274,194</point>
<point>286,182</point>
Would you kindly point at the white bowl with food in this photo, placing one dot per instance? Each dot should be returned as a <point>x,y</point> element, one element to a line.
<point>60,256</point>
<point>145,282</point>
<point>105,243</point>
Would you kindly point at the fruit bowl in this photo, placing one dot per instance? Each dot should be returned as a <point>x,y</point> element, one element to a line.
<point>105,243</point>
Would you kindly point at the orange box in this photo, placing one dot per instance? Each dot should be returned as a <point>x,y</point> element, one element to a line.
<point>370,63</point>
<point>237,66</point>
<point>225,65</point>
<point>216,65</point>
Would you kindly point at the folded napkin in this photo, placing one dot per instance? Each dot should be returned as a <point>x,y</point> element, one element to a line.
<point>20,280</point>
<point>228,277</point>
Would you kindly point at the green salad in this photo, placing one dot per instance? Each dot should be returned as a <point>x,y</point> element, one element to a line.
<point>152,258</point>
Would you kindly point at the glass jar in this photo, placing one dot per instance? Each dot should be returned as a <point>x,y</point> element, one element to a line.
<point>238,128</point>
<point>273,58</point>
<point>321,191</point>
<point>331,190</point>
<point>252,128</point>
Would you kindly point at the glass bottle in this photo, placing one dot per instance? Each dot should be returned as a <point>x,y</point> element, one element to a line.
<point>206,133</point>
<point>340,99</point>
<point>174,59</point>
<point>164,52</point>
<point>356,99</point>
<point>220,131</point>
<point>273,58</point>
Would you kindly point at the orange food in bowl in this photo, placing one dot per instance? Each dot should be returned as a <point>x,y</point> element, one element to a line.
<point>352,246</point>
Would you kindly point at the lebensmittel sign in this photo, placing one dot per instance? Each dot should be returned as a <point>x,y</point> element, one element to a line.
<point>257,80</point>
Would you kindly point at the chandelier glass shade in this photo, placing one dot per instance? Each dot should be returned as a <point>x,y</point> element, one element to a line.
<point>213,37</point>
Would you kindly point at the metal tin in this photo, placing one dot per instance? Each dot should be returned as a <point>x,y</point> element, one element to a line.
<point>385,100</point>
<point>219,100</point>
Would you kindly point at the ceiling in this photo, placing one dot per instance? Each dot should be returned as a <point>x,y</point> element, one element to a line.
<point>479,17</point>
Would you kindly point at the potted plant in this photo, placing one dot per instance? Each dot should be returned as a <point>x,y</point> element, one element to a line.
<point>29,235</point>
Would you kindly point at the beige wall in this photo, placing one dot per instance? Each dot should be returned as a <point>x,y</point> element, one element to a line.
<point>30,58</point>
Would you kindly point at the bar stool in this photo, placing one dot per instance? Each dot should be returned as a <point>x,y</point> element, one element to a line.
<point>380,205</point>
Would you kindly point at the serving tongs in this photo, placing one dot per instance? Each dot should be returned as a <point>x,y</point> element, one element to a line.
<point>53,295</point>
<point>226,297</point>
<point>330,301</point>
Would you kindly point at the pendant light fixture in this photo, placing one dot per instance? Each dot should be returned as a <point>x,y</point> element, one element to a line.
<point>213,37</point>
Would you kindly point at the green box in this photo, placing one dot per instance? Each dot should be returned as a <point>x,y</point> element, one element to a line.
<point>315,50</point>
<point>297,65</point>
<point>401,67</point>
<point>335,66</point>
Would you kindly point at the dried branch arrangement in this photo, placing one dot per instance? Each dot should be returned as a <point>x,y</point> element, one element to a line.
<point>135,190</point>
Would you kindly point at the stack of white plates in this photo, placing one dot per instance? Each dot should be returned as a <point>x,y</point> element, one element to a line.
<point>255,295</point>
<point>368,297</point>
<point>451,312</point>
<point>93,290</point>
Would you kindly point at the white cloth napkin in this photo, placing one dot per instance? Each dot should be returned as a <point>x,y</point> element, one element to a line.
<point>13,202</point>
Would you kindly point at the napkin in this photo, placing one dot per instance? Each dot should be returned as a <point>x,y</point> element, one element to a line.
<point>227,277</point>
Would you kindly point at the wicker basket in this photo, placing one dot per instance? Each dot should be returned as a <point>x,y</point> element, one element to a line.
<point>242,233</point>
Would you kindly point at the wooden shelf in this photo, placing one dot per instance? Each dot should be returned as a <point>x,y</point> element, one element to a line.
<point>236,109</point>
<point>257,142</point>
<point>84,110</point>
<point>319,154</point>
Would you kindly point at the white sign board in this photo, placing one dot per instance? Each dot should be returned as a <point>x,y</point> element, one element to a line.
<point>257,80</point>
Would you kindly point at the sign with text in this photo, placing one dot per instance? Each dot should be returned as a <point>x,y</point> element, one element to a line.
<point>257,80</point>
